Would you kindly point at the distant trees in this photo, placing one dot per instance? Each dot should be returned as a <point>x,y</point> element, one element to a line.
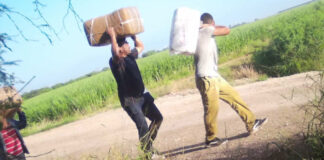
<point>236,25</point>
<point>37,92</point>
<point>149,53</point>
<point>34,93</point>
<point>152,52</point>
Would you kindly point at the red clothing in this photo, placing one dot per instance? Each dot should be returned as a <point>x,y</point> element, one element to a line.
<point>12,142</point>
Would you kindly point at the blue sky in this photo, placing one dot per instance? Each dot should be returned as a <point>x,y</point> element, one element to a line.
<point>70,56</point>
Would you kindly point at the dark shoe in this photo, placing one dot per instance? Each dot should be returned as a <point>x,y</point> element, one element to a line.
<point>216,141</point>
<point>154,154</point>
<point>154,151</point>
<point>257,125</point>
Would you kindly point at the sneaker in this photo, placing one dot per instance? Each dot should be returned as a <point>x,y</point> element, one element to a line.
<point>154,151</point>
<point>157,157</point>
<point>257,125</point>
<point>154,154</point>
<point>216,141</point>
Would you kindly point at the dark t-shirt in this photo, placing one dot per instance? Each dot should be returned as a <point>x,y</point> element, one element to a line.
<point>128,76</point>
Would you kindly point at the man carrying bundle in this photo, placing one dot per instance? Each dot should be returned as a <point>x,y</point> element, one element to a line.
<point>12,146</point>
<point>131,91</point>
<point>213,87</point>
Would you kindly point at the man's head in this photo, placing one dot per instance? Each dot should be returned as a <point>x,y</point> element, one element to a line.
<point>207,18</point>
<point>123,45</point>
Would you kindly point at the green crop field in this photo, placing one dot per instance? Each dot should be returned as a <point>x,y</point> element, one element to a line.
<point>295,44</point>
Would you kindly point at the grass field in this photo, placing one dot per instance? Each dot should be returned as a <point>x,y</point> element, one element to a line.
<point>276,43</point>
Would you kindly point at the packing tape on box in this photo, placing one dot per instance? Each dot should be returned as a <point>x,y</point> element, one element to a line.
<point>121,21</point>
<point>106,21</point>
<point>132,20</point>
<point>135,17</point>
<point>91,32</point>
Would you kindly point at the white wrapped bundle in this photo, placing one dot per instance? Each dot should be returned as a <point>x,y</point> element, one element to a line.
<point>184,31</point>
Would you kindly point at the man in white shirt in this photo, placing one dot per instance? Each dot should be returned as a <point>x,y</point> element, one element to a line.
<point>213,87</point>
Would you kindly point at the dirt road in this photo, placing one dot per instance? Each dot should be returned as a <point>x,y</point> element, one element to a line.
<point>182,132</point>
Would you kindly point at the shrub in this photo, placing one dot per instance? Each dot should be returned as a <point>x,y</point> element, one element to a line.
<point>297,46</point>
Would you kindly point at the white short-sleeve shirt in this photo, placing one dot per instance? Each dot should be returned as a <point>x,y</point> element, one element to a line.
<point>206,56</point>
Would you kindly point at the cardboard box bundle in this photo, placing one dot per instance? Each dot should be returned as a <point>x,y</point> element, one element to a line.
<point>184,31</point>
<point>10,100</point>
<point>126,22</point>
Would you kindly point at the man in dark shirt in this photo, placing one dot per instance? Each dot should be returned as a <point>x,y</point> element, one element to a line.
<point>131,91</point>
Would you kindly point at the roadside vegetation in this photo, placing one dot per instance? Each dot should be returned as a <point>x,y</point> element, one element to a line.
<point>310,145</point>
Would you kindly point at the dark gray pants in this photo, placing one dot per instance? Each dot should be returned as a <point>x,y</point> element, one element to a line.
<point>138,108</point>
<point>19,157</point>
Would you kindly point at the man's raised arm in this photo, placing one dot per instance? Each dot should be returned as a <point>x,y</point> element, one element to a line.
<point>221,31</point>
<point>138,44</point>
<point>114,46</point>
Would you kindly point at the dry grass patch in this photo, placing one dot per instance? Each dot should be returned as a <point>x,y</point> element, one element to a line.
<point>175,86</point>
<point>245,71</point>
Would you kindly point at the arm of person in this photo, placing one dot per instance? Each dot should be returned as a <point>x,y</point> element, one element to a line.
<point>221,30</point>
<point>139,46</point>
<point>114,46</point>
<point>22,123</point>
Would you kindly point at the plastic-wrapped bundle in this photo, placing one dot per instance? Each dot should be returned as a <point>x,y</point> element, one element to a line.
<point>184,31</point>
<point>126,22</point>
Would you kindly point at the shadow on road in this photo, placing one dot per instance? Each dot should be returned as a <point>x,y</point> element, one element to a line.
<point>197,147</point>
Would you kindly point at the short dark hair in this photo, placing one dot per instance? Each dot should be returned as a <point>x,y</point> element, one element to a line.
<point>121,41</point>
<point>206,18</point>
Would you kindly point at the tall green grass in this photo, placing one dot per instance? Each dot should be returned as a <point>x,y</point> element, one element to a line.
<point>90,94</point>
<point>87,94</point>
<point>99,90</point>
<point>298,43</point>
<point>162,66</point>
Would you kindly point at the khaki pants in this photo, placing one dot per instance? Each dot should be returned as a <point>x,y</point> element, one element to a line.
<point>213,89</point>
